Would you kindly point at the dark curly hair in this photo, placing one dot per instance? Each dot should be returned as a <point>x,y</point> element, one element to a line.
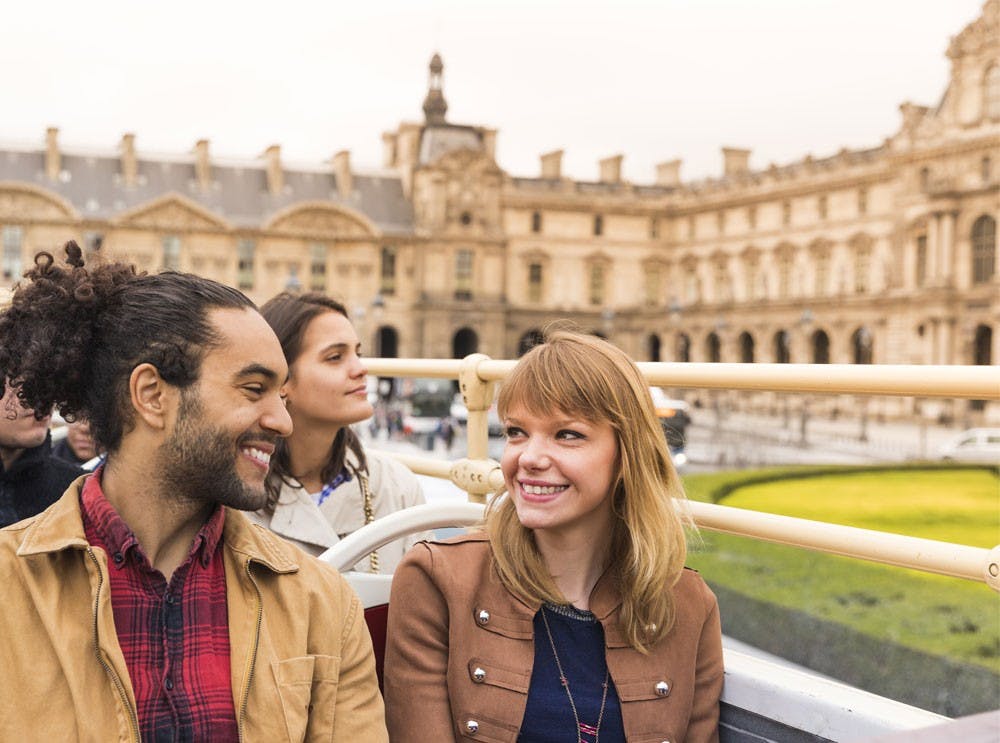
<point>73,334</point>
<point>289,315</point>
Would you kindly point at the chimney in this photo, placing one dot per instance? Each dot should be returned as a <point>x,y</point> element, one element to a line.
<point>342,171</point>
<point>202,165</point>
<point>669,173</point>
<point>130,167</point>
<point>611,169</point>
<point>52,159</point>
<point>275,176</point>
<point>490,142</point>
<point>735,161</point>
<point>552,165</point>
<point>389,149</point>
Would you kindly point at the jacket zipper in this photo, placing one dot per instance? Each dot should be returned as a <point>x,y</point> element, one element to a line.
<point>251,661</point>
<point>133,717</point>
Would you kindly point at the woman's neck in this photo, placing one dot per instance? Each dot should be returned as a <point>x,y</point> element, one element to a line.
<point>308,454</point>
<point>575,562</point>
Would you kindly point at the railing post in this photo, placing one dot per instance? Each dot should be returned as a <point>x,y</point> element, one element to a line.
<point>478,397</point>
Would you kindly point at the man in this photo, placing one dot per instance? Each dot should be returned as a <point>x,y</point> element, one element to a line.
<point>31,479</point>
<point>78,445</point>
<point>143,605</point>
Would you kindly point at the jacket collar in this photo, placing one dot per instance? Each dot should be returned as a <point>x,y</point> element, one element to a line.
<point>60,527</point>
<point>33,457</point>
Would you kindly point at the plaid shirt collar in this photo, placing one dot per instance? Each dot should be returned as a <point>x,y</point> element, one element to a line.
<point>119,538</point>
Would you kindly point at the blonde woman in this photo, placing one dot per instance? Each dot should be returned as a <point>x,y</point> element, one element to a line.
<point>570,617</point>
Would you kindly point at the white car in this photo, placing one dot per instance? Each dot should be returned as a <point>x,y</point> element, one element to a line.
<point>975,445</point>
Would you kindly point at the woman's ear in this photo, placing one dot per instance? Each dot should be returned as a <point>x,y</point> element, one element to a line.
<point>153,399</point>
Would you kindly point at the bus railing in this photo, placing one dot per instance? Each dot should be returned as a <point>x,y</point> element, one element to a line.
<point>480,476</point>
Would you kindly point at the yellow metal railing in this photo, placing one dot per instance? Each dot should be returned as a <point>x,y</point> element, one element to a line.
<point>480,476</point>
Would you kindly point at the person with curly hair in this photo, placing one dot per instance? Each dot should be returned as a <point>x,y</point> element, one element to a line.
<point>143,605</point>
<point>570,616</point>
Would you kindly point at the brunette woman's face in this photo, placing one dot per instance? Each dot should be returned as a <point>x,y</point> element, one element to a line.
<point>560,471</point>
<point>326,385</point>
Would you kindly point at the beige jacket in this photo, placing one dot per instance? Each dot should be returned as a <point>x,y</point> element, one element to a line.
<point>315,529</point>
<point>449,616</point>
<point>302,663</point>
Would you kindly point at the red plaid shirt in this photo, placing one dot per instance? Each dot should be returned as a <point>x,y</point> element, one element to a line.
<point>175,637</point>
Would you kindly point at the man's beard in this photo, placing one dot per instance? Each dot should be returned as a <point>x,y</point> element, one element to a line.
<point>198,462</point>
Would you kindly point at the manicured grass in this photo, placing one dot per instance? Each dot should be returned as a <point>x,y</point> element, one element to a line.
<point>943,616</point>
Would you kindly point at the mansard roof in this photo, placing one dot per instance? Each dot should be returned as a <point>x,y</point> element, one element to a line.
<point>238,192</point>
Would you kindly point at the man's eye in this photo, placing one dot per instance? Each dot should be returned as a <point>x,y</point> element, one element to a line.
<point>254,389</point>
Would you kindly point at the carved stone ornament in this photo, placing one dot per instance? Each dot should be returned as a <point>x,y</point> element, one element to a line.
<point>171,216</point>
<point>315,221</point>
<point>15,205</point>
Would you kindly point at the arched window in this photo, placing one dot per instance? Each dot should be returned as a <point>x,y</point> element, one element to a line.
<point>862,343</point>
<point>984,249</point>
<point>991,93</point>
<point>820,347</point>
<point>713,348</point>
<point>529,340</point>
<point>464,342</point>
<point>683,348</point>
<point>746,348</point>
<point>782,347</point>
<point>387,343</point>
<point>653,347</point>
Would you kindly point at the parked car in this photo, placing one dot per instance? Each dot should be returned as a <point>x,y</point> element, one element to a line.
<point>975,445</point>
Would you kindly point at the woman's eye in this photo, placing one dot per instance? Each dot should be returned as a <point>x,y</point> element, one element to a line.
<point>335,357</point>
<point>569,435</point>
<point>512,432</point>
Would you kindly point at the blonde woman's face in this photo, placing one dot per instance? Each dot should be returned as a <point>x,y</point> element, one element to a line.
<point>560,470</point>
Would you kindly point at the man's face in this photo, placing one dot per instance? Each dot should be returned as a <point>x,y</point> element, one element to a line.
<point>19,429</point>
<point>80,440</point>
<point>229,421</point>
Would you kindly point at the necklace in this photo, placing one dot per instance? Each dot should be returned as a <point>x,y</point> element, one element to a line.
<point>582,728</point>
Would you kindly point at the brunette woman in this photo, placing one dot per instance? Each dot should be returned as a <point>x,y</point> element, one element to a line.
<point>570,617</point>
<point>323,485</point>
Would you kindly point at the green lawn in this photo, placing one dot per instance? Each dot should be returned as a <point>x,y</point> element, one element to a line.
<point>944,616</point>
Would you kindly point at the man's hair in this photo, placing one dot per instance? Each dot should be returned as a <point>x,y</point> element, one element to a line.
<point>582,375</point>
<point>73,334</point>
<point>289,315</point>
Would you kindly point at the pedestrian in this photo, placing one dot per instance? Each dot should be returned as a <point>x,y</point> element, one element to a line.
<point>31,478</point>
<point>78,446</point>
<point>323,483</point>
<point>143,605</point>
<point>570,616</point>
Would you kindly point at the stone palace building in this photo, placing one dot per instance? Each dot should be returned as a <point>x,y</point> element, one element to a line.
<point>879,255</point>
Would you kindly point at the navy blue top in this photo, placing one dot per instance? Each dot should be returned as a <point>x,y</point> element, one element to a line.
<point>548,717</point>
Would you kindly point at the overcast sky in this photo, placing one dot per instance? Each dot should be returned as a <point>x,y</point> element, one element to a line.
<point>654,80</point>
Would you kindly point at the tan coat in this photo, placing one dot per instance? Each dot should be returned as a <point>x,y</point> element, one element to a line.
<point>438,636</point>
<point>302,663</point>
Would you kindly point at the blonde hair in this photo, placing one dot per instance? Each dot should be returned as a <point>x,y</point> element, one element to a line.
<point>585,376</point>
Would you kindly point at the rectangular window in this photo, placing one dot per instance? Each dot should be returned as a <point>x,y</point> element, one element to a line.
<point>862,269</point>
<point>12,261</point>
<point>921,260</point>
<point>786,213</point>
<point>317,267</point>
<point>535,282</point>
<point>596,284</point>
<point>652,284</point>
<point>463,274</point>
<point>863,201</point>
<point>821,207</point>
<point>536,221</point>
<point>387,271</point>
<point>172,253</point>
<point>245,250</point>
<point>654,228</point>
<point>598,225</point>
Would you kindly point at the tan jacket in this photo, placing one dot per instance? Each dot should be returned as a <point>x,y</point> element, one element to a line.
<point>302,663</point>
<point>449,616</point>
<point>315,529</point>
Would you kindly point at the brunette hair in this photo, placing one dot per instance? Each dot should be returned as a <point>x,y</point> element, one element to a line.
<point>585,376</point>
<point>73,334</point>
<point>289,315</point>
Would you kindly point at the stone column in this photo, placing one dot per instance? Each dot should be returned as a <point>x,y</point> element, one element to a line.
<point>947,237</point>
<point>933,240</point>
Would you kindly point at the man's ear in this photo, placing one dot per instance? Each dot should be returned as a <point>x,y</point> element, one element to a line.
<point>153,399</point>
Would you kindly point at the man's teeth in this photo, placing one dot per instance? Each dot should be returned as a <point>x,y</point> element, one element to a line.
<point>542,489</point>
<point>261,456</point>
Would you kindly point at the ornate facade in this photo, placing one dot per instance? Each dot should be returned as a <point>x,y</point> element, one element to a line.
<point>884,255</point>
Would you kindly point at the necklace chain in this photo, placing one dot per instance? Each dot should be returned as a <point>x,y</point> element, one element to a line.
<point>581,728</point>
